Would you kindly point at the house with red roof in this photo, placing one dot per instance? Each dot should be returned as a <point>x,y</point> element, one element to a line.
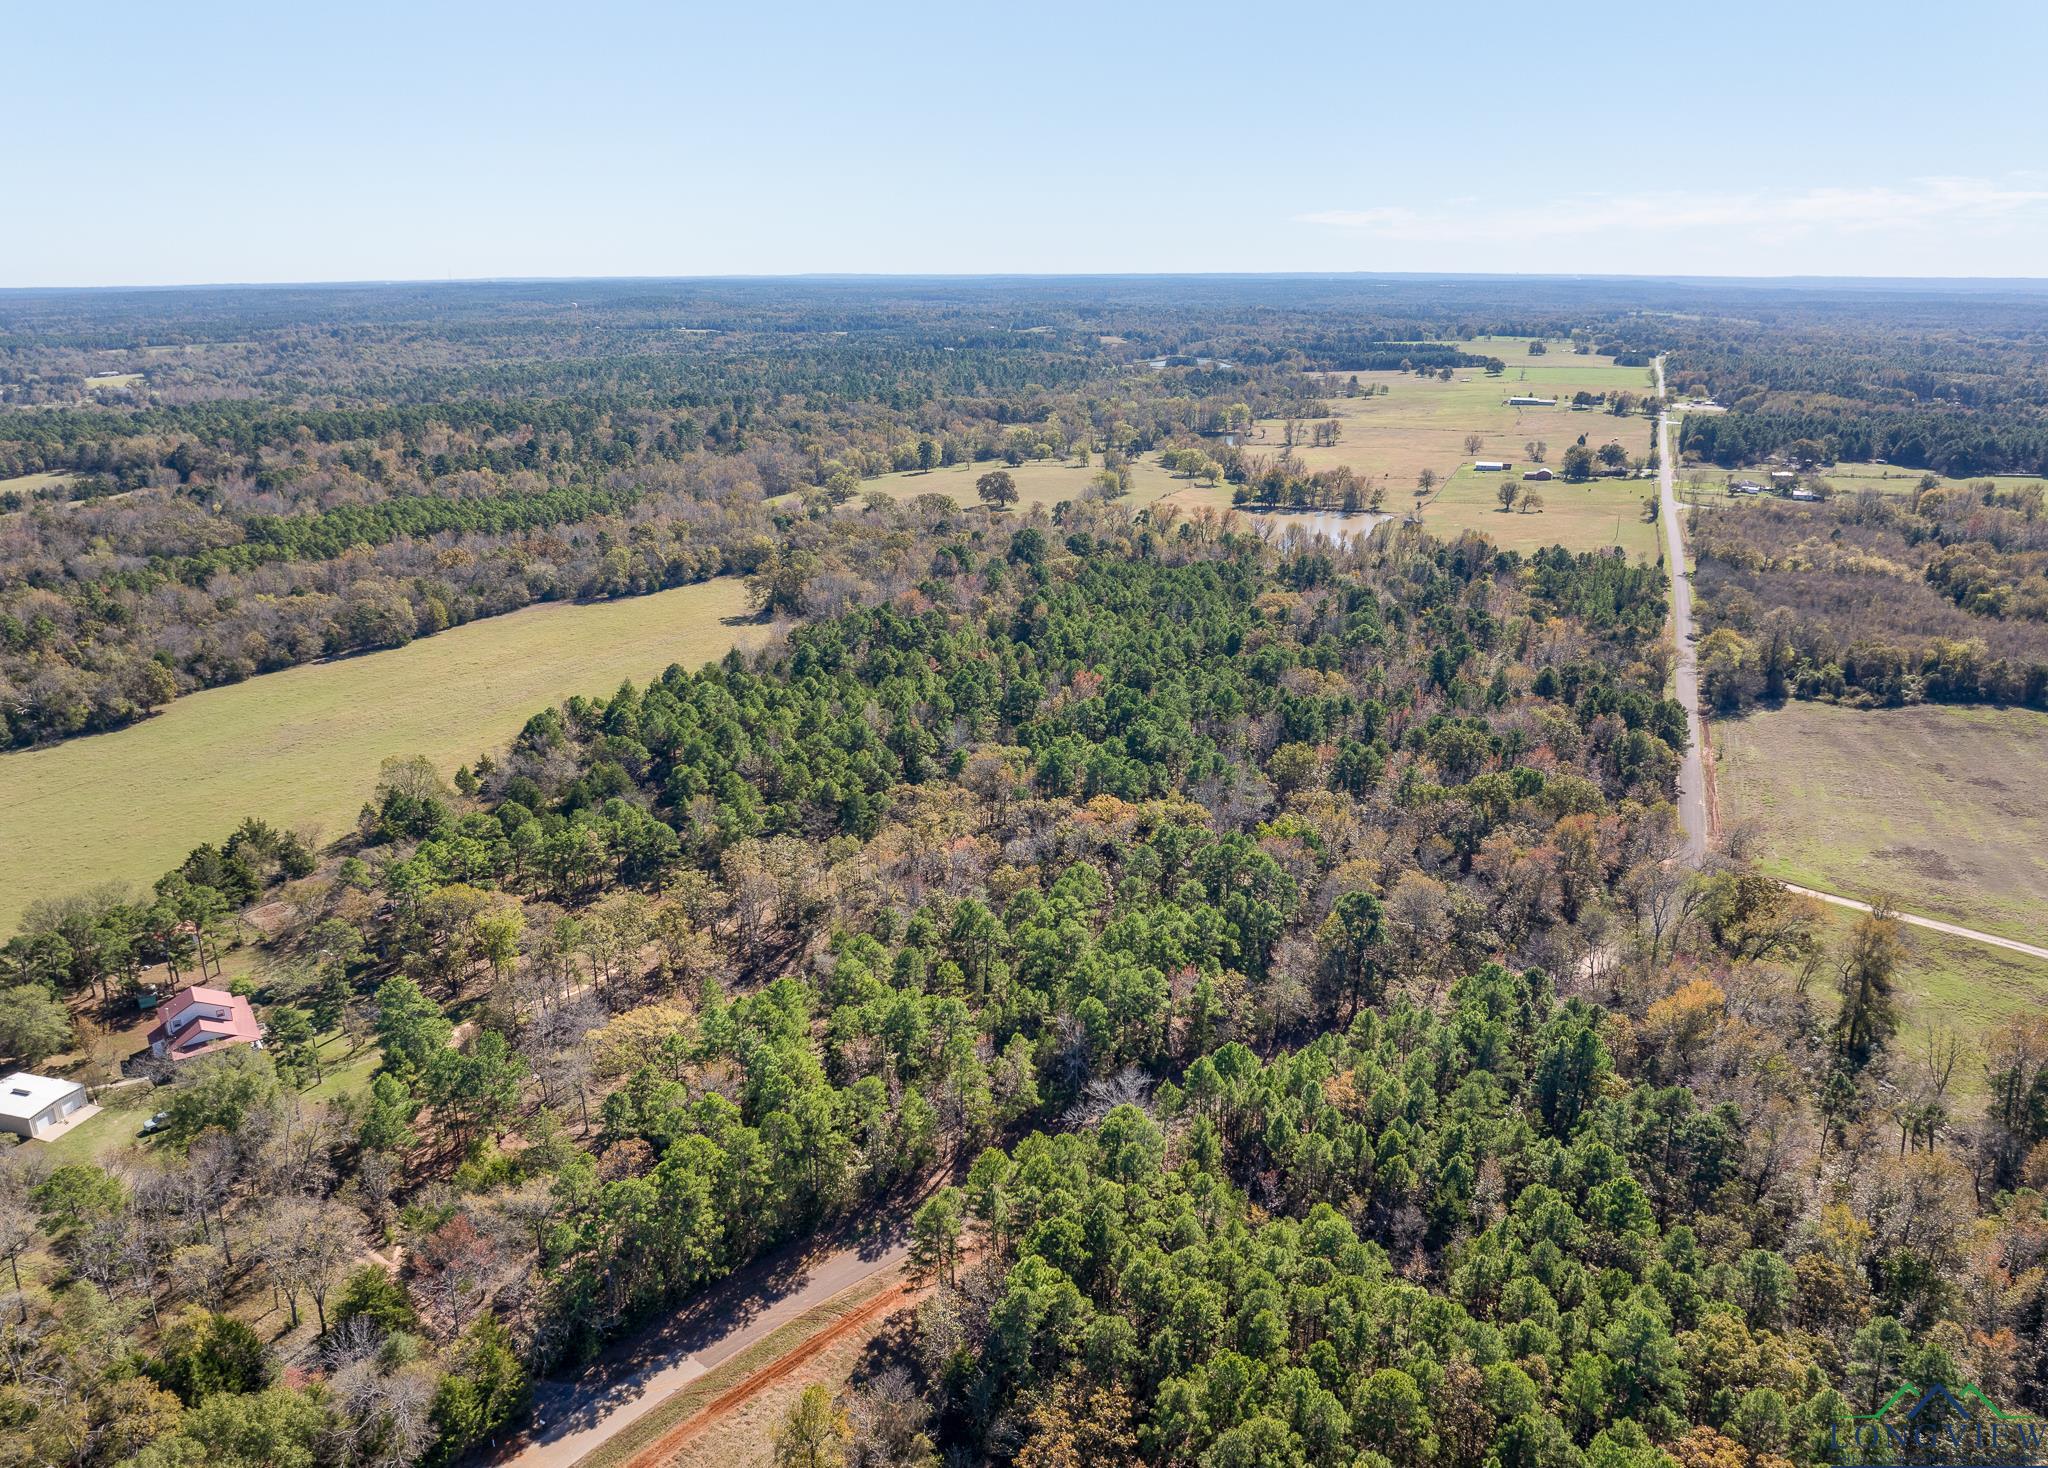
<point>199,1021</point>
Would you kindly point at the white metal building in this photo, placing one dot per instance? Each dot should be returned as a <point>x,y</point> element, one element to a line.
<point>31,1105</point>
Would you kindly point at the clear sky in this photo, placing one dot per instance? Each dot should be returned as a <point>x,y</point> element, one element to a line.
<point>200,141</point>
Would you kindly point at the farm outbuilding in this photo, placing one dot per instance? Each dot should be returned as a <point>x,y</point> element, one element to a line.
<point>1489,466</point>
<point>32,1105</point>
<point>1541,474</point>
<point>1532,402</point>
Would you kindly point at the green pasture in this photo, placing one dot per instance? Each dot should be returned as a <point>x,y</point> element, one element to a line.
<point>301,748</point>
<point>1939,807</point>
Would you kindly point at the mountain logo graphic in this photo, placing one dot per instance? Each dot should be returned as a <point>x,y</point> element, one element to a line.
<point>1940,1426</point>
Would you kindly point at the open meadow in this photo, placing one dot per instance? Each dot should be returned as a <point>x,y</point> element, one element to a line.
<point>1938,806</point>
<point>1600,512</point>
<point>1048,481</point>
<point>34,484</point>
<point>1707,484</point>
<point>301,747</point>
<point>1423,423</point>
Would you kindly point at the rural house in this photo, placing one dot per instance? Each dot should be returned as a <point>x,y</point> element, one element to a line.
<point>200,1021</point>
<point>32,1105</point>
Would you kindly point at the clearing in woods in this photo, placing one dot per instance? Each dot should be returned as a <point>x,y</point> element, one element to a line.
<point>1707,484</point>
<point>1423,423</point>
<point>301,747</point>
<point>1938,806</point>
<point>1579,517</point>
<point>1048,481</point>
<point>33,484</point>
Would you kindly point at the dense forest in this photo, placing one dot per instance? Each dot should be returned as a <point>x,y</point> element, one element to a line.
<point>198,487</point>
<point>1257,975</point>
<point>1873,599</point>
<point>1952,382</point>
<point>1272,955</point>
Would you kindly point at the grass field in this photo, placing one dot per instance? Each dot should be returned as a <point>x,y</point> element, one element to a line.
<point>1884,478</point>
<point>117,1127</point>
<point>1708,483</point>
<point>1419,423</point>
<point>29,484</point>
<point>302,747</point>
<point>1971,988</point>
<point>1586,516</point>
<point>1940,807</point>
<point>1047,482</point>
<point>346,1072</point>
<point>1422,423</point>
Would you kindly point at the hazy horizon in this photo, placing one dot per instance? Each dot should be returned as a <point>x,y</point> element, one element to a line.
<point>2027,283</point>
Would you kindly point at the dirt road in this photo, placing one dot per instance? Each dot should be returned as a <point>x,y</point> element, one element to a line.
<point>665,1449</point>
<point>578,1415</point>
<point>1954,930</point>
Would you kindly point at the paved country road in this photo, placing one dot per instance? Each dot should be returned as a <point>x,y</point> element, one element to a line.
<point>1692,775</point>
<point>630,1382</point>
<point>1692,785</point>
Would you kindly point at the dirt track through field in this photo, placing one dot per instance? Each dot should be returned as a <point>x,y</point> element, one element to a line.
<point>663,1450</point>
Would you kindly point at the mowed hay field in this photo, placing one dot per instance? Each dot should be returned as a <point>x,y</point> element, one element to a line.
<point>1422,423</point>
<point>35,483</point>
<point>1048,481</point>
<point>1945,809</point>
<point>1600,512</point>
<point>302,747</point>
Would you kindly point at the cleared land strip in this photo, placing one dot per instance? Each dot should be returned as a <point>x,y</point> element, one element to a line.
<point>865,1316</point>
<point>1954,930</point>
<point>582,1416</point>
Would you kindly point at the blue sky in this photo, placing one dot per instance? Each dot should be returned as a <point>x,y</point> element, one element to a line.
<point>167,143</point>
